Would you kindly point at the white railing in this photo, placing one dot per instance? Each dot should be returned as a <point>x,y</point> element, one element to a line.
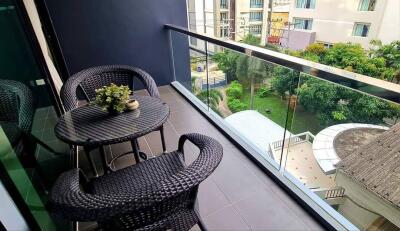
<point>294,139</point>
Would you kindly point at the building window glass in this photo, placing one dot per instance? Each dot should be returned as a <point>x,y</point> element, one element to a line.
<point>326,44</point>
<point>256,3</point>
<point>361,29</point>
<point>255,29</point>
<point>306,4</point>
<point>302,23</point>
<point>224,18</point>
<point>256,16</point>
<point>224,32</point>
<point>367,5</point>
<point>224,4</point>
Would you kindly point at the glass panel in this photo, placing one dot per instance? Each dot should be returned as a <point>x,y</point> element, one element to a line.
<point>256,3</point>
<point>193,76</point>
<point>361,30</point>
<point>245,92</point>
<point>364,5</point>
<point>256,16</point>
<point>341,150</point>
<point>30,153</point>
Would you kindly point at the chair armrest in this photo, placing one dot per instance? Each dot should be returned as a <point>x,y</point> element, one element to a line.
<point>210,156</point>
<point>147,81</point>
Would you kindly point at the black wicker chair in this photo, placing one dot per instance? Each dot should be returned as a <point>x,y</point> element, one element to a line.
<point>16,117</point>
<point>90,79</point>
<point>157,194</point>
<point>16,109</point>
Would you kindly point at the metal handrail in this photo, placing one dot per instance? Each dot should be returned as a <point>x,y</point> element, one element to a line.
<point>362,83</point>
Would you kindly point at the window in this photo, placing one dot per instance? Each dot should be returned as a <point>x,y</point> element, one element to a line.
<point>256,16</point>
<point>224,18</point>
<point>224,4</point>
<point>326,44</point>
<point>256,3</point>
<point>255,29</point>
<point>224,32</point>
<point>302,23</point>
<point>361,29</point>
<point>367,5</point>
<point>305,4</point>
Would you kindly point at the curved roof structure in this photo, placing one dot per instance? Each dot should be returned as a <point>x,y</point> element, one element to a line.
<point>323,145</point>
<point>257,129</point>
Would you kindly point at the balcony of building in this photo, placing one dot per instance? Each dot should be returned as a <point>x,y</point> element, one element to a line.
<point>273,174</point>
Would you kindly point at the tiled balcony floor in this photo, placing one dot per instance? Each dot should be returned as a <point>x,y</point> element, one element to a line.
<point>237,196</point>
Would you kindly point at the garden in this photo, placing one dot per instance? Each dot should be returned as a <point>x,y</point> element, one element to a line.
<point>314,104</point>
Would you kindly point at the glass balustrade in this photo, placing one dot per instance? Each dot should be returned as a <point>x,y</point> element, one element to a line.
<point>325,136</point>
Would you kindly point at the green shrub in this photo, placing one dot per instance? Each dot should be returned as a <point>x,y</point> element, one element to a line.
<point>235,105</point>
<point>263,92</point>
<point>234,90</point>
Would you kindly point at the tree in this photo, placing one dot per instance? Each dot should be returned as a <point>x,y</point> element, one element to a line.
<point>334,104</point>
<point>251,40</point>
<point>314,52</point>
<point>353,57</point>
<point>283,81</point>
<point>214,97</point>
<point>226,61</point>
<point>391,54</point>
<point>250,71</point>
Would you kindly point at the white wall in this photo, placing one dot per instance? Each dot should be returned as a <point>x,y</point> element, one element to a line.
<point>242,11</point>
<point>367,199</point>
<point>333,20</point>
<point>390,26</point>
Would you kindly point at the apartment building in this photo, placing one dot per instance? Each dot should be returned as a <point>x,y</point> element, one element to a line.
<point>212,17</point>
<point>356,21</point>
<point>232,19</point>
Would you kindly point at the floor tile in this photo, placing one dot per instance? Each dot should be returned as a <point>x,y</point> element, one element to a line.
<point>265,211</point>
<point>210,198</point>
<point>225,219</point>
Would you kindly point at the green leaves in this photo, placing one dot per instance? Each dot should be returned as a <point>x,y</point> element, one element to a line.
<point>112,97</point>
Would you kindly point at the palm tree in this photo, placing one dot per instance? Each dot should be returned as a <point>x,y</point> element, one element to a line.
<point>214,97</point>
<point>251,70</point>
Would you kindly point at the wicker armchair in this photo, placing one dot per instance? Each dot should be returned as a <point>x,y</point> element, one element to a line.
<point>90,79</point>
<point>157,194</point>
<point>16,109</point>
<point>16,117</point>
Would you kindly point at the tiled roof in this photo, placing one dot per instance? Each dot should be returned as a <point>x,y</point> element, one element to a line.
<point>376,165</point>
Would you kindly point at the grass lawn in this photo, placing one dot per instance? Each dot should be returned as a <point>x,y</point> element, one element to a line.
<point>303,120</point>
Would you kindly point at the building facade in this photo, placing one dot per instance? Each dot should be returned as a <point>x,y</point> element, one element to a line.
<point>232,19</point>
<point>356,21</point>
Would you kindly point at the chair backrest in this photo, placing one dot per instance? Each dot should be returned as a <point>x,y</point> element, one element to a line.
<point>90,79</point>
<point>16,104</point>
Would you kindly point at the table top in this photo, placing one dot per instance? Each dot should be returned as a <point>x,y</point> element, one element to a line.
<point>91,126</point>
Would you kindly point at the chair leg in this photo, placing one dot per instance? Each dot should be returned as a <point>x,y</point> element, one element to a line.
<point>163,139</point>
<point>91,161</point>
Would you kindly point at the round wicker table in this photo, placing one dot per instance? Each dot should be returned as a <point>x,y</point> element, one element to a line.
<point>89,126</point>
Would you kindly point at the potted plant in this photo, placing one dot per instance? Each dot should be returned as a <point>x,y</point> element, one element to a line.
<point>113,98</point>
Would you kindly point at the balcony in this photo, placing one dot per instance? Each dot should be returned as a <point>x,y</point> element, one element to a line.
<point>288,136</point>
<point>287,163</point>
